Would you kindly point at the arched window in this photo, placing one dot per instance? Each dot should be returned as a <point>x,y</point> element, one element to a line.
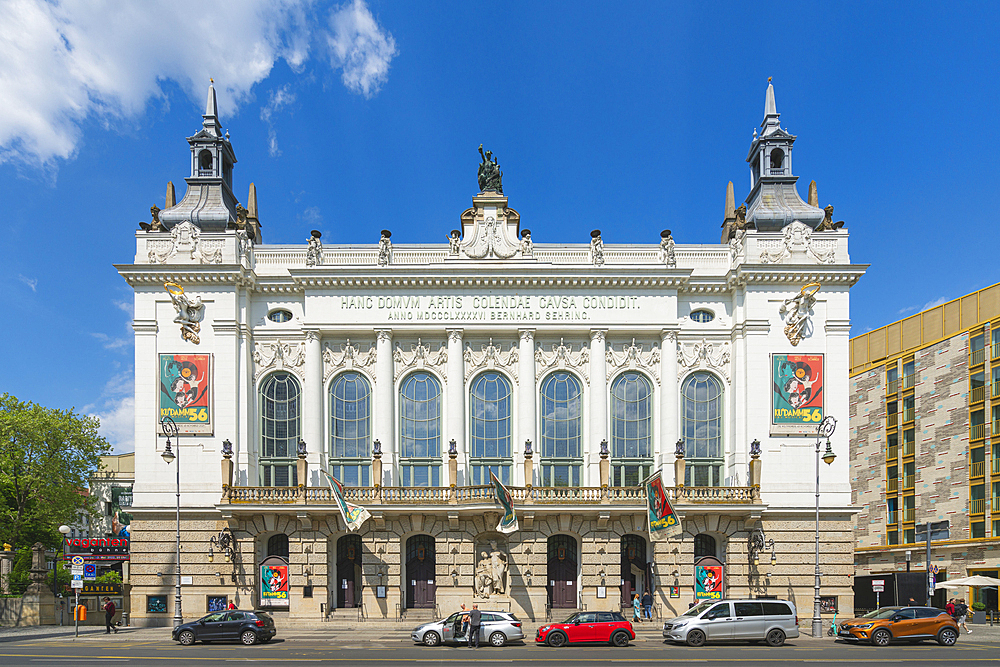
<point>704,545</point>
<point>561,430</point>
<point>350,428</point>
<point>280,415</point>
<point>631,429</point>
<point>489,407</point>
<point>777,161</point>
<point>701,396</point>
<point>420,430</point>
<point>205,163</point>
<point>277,545</point>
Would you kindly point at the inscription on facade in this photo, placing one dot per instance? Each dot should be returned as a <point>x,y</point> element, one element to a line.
<point>490,307</point>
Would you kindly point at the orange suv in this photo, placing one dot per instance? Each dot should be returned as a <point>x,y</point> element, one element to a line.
<point>890,624</point>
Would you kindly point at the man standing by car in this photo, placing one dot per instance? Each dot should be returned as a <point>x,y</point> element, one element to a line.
<point>475,620</point>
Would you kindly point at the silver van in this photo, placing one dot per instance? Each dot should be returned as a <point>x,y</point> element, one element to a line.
<point>735,620</point>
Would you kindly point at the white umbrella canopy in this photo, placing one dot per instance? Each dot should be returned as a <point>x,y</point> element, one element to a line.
<point>975,581</point>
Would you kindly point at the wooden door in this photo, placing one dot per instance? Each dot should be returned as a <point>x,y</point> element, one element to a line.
<point>562,583</point>
<point>420,581</point>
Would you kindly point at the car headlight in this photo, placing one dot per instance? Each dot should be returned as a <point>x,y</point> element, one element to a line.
<point>543,628</point>
<point>681,624</point>
<point>866,625</point>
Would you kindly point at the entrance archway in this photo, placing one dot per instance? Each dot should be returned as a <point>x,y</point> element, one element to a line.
<point>420,582</point>
<point>634,568</point>
<point>561,571</point>
<point>349,579</point>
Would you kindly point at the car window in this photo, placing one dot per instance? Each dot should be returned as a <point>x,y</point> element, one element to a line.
<point>698,608</point>
<point>587,618</point>
<point>720,610</point>
<point>616,615</point>
<point>212,618</point>
<point>237,616</point>
<point>928,612</point>
<point>571,618</point>
<point>748,609</point>
<point>605,617</point>
<point>513,617</point>
<point>492,617</point>
<point>776,609</point>
<point>884,612</point>
<point>907,613</point>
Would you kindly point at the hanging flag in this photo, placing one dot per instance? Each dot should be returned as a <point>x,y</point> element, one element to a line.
<point>508,522</point>
<point>663,521</point>
<point>354,515</point>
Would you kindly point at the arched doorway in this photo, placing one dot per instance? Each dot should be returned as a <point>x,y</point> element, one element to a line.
<point>349,571</point>
<point>709,571</point>
<point>634,568</point>
<point>561,571</point>
<point>420,572</point>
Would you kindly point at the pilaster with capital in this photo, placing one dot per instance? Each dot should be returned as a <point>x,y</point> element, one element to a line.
<point>456,394</point>
<point>525,394</point>
<point>384,394</point>
<point>669,398</point>
<point>312,425</point>
<point>598,392</point>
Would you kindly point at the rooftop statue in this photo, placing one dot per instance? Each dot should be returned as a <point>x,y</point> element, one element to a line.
<point>828,225</point>
<point>490,176</point>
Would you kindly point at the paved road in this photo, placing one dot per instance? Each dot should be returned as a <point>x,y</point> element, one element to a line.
<point>646,650</point>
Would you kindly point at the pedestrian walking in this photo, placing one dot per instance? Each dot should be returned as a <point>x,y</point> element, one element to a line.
<point>647,605</point>
<point>636,613</point>
<point>475,619</point>
<point>950,607</point>
<point>232,605</point>
<point>962,612</point>
<point>109,615</point>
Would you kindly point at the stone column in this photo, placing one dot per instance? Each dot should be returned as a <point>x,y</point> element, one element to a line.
<point>456,398</point>
<point>525,395</point>
<point>312,429</point>
<point>384,393</point>
<point>669,426</point>
<point>598,396</point>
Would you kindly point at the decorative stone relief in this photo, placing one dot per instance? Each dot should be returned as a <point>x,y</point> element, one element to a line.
<point>348,357</point>
<point>491,357</point>
<point>279,356</point>
<point>738,246</point>
<point>633,357</point>
<point>797,243</point>
<point>796,311</point>
<point>420,356</point>
<point>715,356</point>
<point>490,240</point>
<point>491,570</point>
<point>190,312</point>
<point>562,356</point>
<point>185,239</point>
<point>243,245</point>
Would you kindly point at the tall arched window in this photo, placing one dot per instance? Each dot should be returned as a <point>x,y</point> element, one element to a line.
<point>277,545</point>
<point>350,428</point>
<point>702,427</point>
<point>280,416</point>
<point>631,429</point>
<point>561,430</point>
<point>420,430</point>
<point>489,407</point>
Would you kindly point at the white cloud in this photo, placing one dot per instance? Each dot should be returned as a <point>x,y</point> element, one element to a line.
<point>935,302</point>
<point>30,282</point>
<point>63,63</point>
<point>115,408</point>
<point>278,98</point>
<point>360,46</point>
<point>125,307</point>
<point>112,343</point>
<point>312,216</point>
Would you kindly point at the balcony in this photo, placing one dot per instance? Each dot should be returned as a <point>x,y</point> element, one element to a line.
<point>892,453</point>
<point>977,394</point>
<point>977,469</point>
<point>909,380</point>
<point>996,388</point>
<point>479,495</point>
<point>977,506</point>
<point>892,485</point>
<point>978,431</point>
<point>909,414</point>
<point>909,447</point>
<point>892,420</point>
<point>996,467</point>
<point>996,507</point>
<point>891,517</point>
<point>996,350</point>
<point>892,387</point>
<point>908,481</point>
<point>977,357</point>
<point>909,513</point>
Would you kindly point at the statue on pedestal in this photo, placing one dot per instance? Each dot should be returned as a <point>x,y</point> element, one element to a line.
<point>490,176</point>
<point>491,572</point>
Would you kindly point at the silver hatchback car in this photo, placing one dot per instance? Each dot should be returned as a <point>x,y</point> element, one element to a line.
<point>498,628</point>
<point>735,620</point>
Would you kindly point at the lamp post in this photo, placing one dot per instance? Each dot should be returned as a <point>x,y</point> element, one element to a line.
<point>825,430</point>
<point>64,529</point>
<point>170,430</point>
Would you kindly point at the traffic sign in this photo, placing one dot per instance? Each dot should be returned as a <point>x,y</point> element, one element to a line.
<point>878,585</point>
<point>90,571</point>
<point>77,577</point>
<point>76,583</point>
<point>77,560</point>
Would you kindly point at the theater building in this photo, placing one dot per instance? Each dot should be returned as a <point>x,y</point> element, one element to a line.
<point>570,369</point>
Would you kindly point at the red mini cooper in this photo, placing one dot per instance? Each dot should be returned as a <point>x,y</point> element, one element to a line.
<point>608,627</point>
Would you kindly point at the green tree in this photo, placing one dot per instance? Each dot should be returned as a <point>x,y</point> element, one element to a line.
<point>47,457</point>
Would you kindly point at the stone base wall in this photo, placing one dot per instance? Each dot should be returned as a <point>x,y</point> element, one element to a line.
<point>460,542</point>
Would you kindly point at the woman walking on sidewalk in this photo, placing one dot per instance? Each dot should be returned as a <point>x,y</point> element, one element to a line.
<point>636,613</point>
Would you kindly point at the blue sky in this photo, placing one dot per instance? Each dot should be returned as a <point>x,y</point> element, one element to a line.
<point>355,117</point>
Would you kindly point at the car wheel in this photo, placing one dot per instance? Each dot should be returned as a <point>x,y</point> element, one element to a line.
<point>556,639</point>
<point>431,638</point>
<point>775,637</point>
<point>881,637</point>
<point>186,637</point>
<point>696,638</point>
<point>947,637</point>
<point>498,639</point>
<point>248,637</point>
<point>620,638</point>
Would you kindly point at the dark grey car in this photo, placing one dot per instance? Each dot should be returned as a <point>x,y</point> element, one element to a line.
<point>498,628</point>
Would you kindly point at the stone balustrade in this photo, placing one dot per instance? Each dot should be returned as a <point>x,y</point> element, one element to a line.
<point>474,495</point>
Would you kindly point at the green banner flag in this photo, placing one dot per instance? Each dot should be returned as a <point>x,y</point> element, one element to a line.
<point>508,522</point>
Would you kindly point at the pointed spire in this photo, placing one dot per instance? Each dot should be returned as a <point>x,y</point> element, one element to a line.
<point>769,107</point>
<point>813,194</point>
<point>730,202</point>
<point>211,115</point>
<point>252,202</point>
<point>171,195</point>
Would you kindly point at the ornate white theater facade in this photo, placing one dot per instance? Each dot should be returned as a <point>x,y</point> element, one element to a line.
<point>571,370</point>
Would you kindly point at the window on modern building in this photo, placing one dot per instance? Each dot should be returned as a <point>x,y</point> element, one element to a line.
<point>277,545</point>
<point>280,417</point>
<point>892,511</point>
<point>909,512</point>
<point>893,537</point>
<point>995,393</point>
<point>491,433</point>
<point>891,379</point>
<point>702,316</point>
<point>909,442</point>
<point>701,410</point>
<point>977,424</point>
<point>978,529</point>
<point>420,430</point>
<point>350,428</point>
<point>704,545</point>
<point>977,499</point>
<point>909,374</point>
<point>977,387</point>
<point>977,353</point>
<point>909,536</point>
<point>909,474</point>
<point>909,409</point>
<point>996,528</point>
<point>631,429</point>
<point>561,429</point>
<point>995,352</point>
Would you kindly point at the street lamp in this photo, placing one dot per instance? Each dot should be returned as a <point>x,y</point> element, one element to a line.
<point>170,430</point>
<point>825,430</point>
<point>64,529</point>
